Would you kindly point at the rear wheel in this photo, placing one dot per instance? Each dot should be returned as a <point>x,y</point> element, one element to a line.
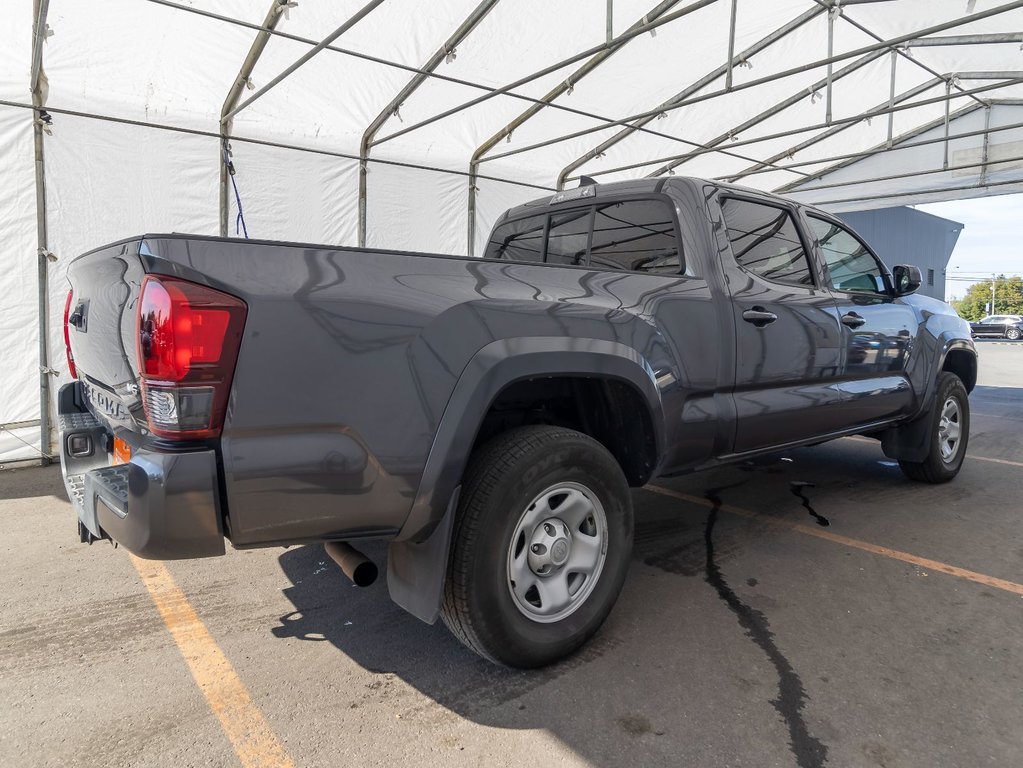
<point>1013,333</point>
<point>541,546</point>
<point>949,434</point>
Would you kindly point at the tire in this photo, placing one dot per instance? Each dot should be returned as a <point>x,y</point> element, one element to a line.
<point>512,491</point>
<point>951,405</point>
<point>1012,333</point>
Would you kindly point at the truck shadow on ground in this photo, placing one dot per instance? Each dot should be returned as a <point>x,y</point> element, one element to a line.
<point>628,697</point>
<point>30,482</point>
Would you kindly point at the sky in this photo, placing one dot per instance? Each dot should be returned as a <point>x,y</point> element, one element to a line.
<point>991,241</point>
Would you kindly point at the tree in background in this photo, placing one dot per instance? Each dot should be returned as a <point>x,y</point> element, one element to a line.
<point>1008,298</point>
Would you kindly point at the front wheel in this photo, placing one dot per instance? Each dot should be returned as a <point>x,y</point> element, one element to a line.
<point>949,434</point>
<point>541,546</point>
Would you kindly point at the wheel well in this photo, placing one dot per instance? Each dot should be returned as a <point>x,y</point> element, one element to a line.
<point>610,411</point>
<point>964,365</point>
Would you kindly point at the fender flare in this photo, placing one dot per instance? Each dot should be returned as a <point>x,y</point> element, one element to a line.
<point>417,557</point>
<point>966,345</point>
<point>947,345</point>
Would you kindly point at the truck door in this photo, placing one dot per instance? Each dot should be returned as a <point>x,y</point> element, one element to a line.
<point>788,340</point>
<point>879,329</point>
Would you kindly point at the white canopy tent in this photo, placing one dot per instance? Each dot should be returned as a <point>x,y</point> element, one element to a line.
<point>413,125</point>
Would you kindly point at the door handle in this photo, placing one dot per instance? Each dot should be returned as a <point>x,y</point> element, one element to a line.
<point>759,316</point>
<point>852,320</point>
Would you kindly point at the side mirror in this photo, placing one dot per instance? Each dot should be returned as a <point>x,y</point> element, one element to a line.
<point>907,279</point>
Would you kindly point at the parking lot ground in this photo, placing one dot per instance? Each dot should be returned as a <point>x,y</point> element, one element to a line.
<point>742,637</point>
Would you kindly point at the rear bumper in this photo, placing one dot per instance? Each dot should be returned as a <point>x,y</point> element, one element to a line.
<point>160,506</point>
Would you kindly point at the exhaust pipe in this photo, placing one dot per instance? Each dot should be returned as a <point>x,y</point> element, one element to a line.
<point>355,565</point>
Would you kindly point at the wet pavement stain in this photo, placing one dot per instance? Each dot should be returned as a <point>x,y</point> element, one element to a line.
<point>808,750</point>
<point>771,465</point>
<point>635,725</point>
<point>797,486</point>
<point>674,546</point>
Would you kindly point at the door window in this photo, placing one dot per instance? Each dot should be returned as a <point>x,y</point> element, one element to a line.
<point>519,240</point>
<point>636,235</point>
<point>851,266</point>
<point>765,241</point>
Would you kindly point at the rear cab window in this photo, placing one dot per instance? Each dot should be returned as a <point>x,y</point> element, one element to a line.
<point>637,235</point>
<point>519,240</point>
<point>569,237</point>
<point>632,235</point>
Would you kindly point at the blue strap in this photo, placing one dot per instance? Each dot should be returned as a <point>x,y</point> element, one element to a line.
<point>239,221</point>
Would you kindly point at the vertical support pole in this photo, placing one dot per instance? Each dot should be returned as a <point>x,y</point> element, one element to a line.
<point>948,92</point>
<point>987,139</point>
<point>610,21</point>
<point>43,281</point>
<point>441,54</point>
<point>891,100</point>
<point>831,53</point>
<point>42,238</point>
<point>224,182</point>
<point>270,21</point>
<point>473,169</point>
<point>363,192</point>
<point>731,45</point>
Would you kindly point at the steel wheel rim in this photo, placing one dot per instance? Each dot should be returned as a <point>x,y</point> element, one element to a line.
<point>950,429</point>
<point>557,552</point>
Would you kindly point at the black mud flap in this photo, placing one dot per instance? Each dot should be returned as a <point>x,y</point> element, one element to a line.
<point>909,442</point>
<point>416,570</point>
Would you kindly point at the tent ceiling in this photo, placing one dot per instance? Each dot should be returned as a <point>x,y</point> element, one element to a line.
<point>645,88</point>
<point>401,124</point>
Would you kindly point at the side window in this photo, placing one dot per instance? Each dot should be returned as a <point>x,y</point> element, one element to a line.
<point>568,237</point>
<point>519,240</point>
<point>852,267</point>
<point>765,241</point>
<point>637,235</point>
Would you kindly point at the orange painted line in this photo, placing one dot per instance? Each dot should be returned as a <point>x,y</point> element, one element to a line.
<point>859,439</point>
<point>995,461</point>
<point>246,728</point>
<point>998,416</point>
<point>866,546</point>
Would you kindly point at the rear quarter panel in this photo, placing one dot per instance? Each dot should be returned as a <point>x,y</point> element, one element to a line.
<point>349,358</point>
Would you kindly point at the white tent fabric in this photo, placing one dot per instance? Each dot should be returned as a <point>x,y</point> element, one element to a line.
<point>778,94</point>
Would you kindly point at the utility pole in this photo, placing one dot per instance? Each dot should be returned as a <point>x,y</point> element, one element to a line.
<point>992,293</point>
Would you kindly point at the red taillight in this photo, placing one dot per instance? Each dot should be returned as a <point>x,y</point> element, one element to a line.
<point>67,336</point>
<point>188,340</point>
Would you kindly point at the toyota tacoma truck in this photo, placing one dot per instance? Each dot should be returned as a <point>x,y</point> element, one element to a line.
<point>487,416</point>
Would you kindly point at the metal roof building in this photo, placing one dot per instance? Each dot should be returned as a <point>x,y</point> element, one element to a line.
<point>904,235</point>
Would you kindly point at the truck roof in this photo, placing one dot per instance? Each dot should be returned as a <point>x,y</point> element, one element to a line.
<point>629,188</point>
<point>582,192</point>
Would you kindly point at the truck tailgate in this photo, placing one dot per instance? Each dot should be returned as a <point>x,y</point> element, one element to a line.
<point>101,331</point>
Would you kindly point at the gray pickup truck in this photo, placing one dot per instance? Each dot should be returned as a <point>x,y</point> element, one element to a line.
<point>487,416</point>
